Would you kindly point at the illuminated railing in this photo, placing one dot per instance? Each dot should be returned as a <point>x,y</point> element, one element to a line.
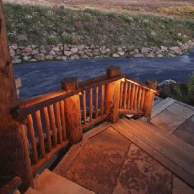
<point>58,119</point>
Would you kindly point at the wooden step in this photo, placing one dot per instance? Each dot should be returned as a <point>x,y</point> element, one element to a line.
<point>162,106</point>
<point>172,152</point>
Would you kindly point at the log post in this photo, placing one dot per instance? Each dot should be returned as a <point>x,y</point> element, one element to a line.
<point>14,155</point>
<point>112,94</point>
<point>72,111</point>
<point>150,98</point>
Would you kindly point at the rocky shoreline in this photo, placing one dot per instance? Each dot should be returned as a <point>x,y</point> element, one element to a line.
<point>32,53</point>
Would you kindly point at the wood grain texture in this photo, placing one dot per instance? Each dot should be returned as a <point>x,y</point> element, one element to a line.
<point>172,152</point>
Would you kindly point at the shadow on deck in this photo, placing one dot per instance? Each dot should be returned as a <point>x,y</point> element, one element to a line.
<point>131,156</point>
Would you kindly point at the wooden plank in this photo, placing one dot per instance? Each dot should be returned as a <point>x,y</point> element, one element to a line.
<point>173,156</point>
<point>48,128</point>
<point>94,121</point>
<point>84,106</point>
<point>40,133</point>
<point>96,108</point>
<point>139,98</point>
<point>157,100</point>
<point>125,94</point>
<point>58,119</point>
<point>169,148</point>
<point>129,96</point>
<point>162,106</point>
<point>49,156</point>
<point>63,122</point>
<point>32,138</point>
<point>169,139</point>
<point>133,97</point>
<point>11,185</point>
<point>143,98</point>
<point>53,125</point>
<point>102,99</point>
<point>91,104</point>
<point>171,165</point>
<point>133,112</point>
<point>121,95</point>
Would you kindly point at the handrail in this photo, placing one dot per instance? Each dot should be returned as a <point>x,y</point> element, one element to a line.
<point>22,112</point>
<point>140,84</point>
<point>40,98</point>
<point>34,100</point>
<point>11,185</point>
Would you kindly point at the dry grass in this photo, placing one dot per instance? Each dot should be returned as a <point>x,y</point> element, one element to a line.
<point>184,11</point>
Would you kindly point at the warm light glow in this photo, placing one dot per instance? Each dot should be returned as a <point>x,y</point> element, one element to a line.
<point>122,79</point>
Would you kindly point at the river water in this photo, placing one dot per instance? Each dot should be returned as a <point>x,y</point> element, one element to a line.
<point>43,77</point>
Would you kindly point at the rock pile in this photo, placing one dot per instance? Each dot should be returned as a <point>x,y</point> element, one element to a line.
<point>32,53</point>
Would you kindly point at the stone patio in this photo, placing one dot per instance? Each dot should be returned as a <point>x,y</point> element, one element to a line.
<point>107,162</point>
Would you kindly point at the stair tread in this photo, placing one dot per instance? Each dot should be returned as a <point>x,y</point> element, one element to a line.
<point>161,106</point>
<point>32,191</point>
<point>51,183</point>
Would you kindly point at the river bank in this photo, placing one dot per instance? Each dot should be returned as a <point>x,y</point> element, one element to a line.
<point>37,33</point>
<point>32,53</point>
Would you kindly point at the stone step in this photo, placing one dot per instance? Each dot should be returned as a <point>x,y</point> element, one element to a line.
<point>32,191</point>
<point>51,183</point>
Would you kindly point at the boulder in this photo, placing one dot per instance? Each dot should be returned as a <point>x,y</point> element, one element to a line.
<point>12,52</point>
<point>115,55</point>
<point>49,57</point>
<point>121,53</point>
<point>40,57</point>
<point>56,49</point>
<point>16,60</point>
<point>67,53</point>
<point>74,50</point>
<point>52,52</point>
<point>74,57</point>
<point>80,47</point>
<point>26,58</point>
<point>35,52</point>
<point>138,55</point>
<point>64,58</point>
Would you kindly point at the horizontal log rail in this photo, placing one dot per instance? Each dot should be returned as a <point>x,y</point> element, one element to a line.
<point>58,119</point>
<point>11,186</point>
<point>22,112</point>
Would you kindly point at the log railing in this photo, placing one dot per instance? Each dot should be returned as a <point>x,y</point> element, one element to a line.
<point>135,98</point>
<point>11,186</point>
<point>56,121</point>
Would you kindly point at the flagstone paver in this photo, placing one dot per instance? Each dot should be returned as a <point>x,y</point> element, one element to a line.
<point>142,174</point>
<point>98,163</point>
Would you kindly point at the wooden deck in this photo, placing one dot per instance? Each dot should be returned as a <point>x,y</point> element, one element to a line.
<point>172,152</point>
<point>132,156</point>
